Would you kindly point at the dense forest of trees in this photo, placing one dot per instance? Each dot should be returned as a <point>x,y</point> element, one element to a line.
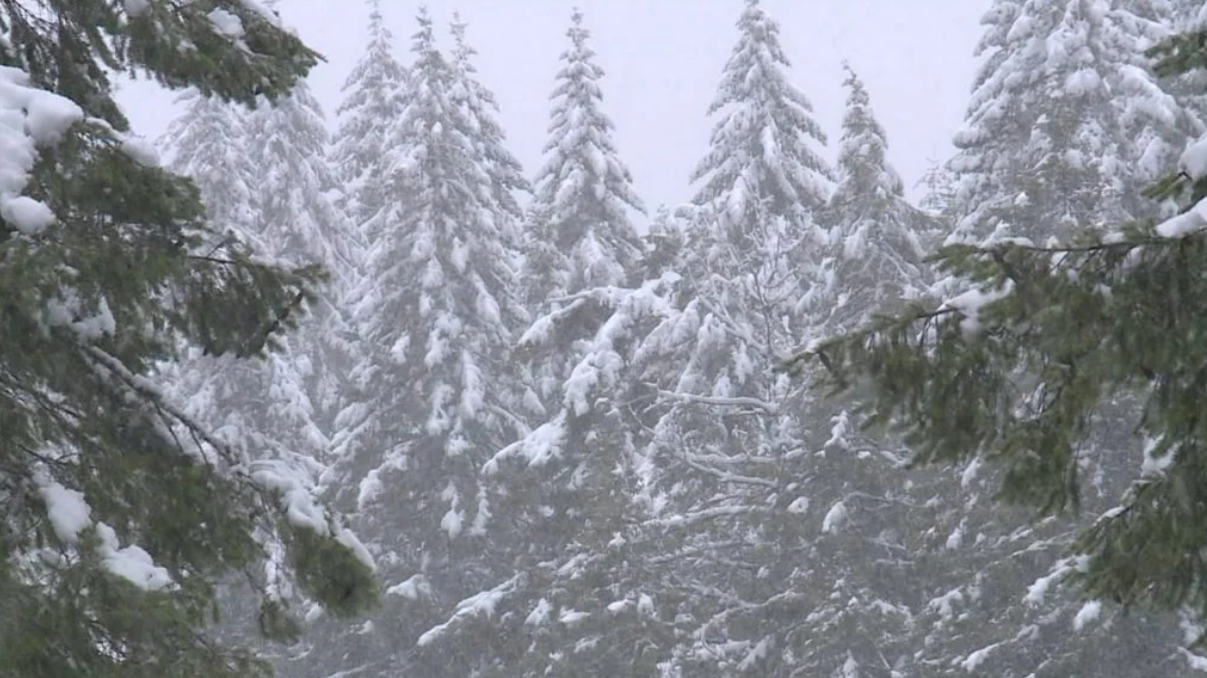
<point>385,403</point>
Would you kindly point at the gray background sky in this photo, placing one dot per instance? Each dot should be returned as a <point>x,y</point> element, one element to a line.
<point>663,60</point>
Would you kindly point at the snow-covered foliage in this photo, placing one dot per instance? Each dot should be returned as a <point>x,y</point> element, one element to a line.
<point>436,310</point>
<point>763,144</point>
<point>374,93</point>
<point>29,117</point>
<point>298,221</point>
<point>262,175</point>
<point>121,510</point>
<point>877,238</point>
<point>505,174</point>
<point>1066,124</point>
<point>579,234</point>
<point>1066,127</point>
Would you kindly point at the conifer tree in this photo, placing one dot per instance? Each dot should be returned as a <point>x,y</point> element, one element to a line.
<point>580,235</point>
<point>735,483</point>
<point>762,158</point>
<point>438,314</point>
<point>876,234</point>
<point>985,564</point>
<point>1015,369</point>
<point>297,221</point>
<point>121,512</point>
<point>1087,124</point>
<point>262,407</point>
<point>505,172</point>
<point>573,478</point>
<point>374,93</point>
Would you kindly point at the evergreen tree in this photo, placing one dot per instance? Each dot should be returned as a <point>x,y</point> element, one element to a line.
<point>374,94</point>
<point>761,159</point>
<point>573,478</point>
<point>982,563</point>
<point>875,232</point>
<point>1016,368</point>
<point>438,315</point>
<point>121,511</point>
<point>580,235</point>
<point>263,408</point>
<point>297,221</point>
<point>1066,126</point>
<point>505,172</point>
<point>766,515</point>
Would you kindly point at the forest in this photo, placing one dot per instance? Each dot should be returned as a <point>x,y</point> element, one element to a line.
<point>383,403</point>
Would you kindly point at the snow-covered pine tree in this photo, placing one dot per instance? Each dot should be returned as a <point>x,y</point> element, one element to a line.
<point>762,158</point>
<point>730,457</point>
<point>1066,124</point>
<point>1064,72</point>
<point>505,172</point>
<point>438,312</point>
<point>573,479</point>
<point>1157,116</point>
<point>373,98</point>
<point>297,221</point>
<point>121,512</point>
<point>279,409</point>
<point>876,234</point>
<point>580,235</point>
<point>261,407</point>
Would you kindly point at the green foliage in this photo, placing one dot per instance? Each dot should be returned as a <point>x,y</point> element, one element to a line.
<point>1019,378</point>
<point>331,572</point>
<point>127,274</point>
<point>173,42</point>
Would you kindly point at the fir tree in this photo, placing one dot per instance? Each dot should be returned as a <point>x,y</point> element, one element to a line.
<point>1086,128</point>
<point>876,233</point>
<point>580,235</point>
<point>983,562</point>
<point>769,532</point>
<point>1109,314</point>
<point>505,173</point>
<point>438,312</point>
<point>374,94</point>
<point>573,478</point>
<point>121,511</point>
<point>297,221</point>
<point>762,144</point>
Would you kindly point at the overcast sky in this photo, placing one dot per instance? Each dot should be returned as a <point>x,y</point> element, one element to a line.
<point>663,59</point>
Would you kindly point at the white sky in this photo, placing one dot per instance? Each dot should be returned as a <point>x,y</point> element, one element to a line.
<point>663,60</point>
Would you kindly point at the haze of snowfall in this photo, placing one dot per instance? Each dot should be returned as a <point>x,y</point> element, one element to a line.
<point>385,403</point>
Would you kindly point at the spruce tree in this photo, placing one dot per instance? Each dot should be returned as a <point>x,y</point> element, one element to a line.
<point>480,108</point>
<point>876,235</point>
<point>983,563</point>
<point>374,93</point>
<point>1087,124</point>
<point>572,479</point>
<point>438,316</point>
<point>736,487</point>
<point>121,511</point>
<point>1015,368</point>
<point>580,235</point>
<point>298,221</point>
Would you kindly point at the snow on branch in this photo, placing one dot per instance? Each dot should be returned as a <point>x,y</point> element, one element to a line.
<point>70,515</point>
<point>719,401</point>
<point>480,605</point>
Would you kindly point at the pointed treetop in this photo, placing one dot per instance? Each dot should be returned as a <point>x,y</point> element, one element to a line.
<point>376,24</point>
<point>862,162</point>
<point>463,52</point>
<point>584,190</point>
<point>761,147</point>
<point>577,33</point>
<point>425,37</point>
